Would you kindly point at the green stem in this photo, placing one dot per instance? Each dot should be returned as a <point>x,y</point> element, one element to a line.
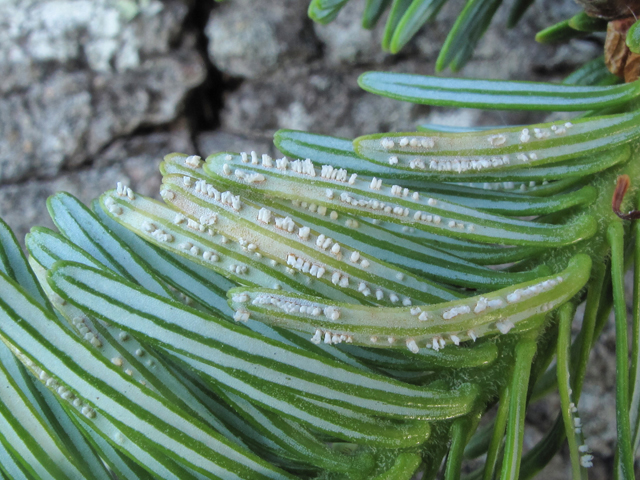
<point>459,436</point>
<point>517,408</point>
<point>498,434</point>
<point>615,235</point>
<point>564,340</point>
<point>634,407</point>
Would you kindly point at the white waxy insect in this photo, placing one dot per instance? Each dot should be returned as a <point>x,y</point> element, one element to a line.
<point>304,232</point>
<point>504,326</point>
<point>148,227</point>
<point>241,315</point>
<point>355,256</point>
<point>332,313</point>
<point>88,412</point>
<point>455,311</point>
<point>193,161</point>
<point>586,461</point>
<point>514,296</point>
<point>481,305</point>
<point>428,142</point>
<point>455,339</point>
<point>267,161</point>
<point>210,256</point>
<point>282,163</point>
<point>387,143</point>
<point>117,361</point>
<point>264,215</point>
<point>497,140</point>
<point>240,298</point>
<point>393,160</point>
<point>168,194</point>
<point>412,346</point>
<point>115,209</point>
<point>286,224</point>
<point>417,163</point>
<point>351,223</point>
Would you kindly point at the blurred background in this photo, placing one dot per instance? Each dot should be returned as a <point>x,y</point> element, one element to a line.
<point>98,91</point>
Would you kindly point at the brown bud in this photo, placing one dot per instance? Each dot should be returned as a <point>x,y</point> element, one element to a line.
<point>632,68</point>
<point>616,52</point>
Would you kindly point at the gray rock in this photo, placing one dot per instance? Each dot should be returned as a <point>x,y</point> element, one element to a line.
<point>24,205</point>
<point>346,42</point>
<point>322,95</point>
<point>45,126</point>
<point>315,99</point>
<point>77,74</point>
<point>249,39</point>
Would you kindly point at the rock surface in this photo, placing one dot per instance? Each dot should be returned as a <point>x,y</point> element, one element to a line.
<point>322,94</point>
<point>78,74</point>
